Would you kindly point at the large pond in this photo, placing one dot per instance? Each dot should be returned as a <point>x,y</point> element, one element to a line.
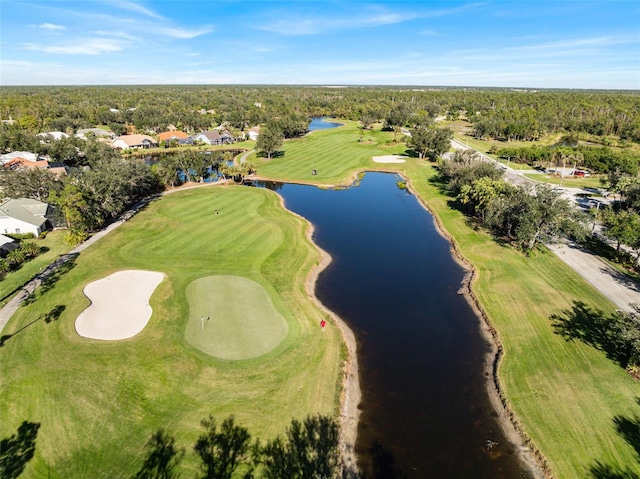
<point>425,409</point>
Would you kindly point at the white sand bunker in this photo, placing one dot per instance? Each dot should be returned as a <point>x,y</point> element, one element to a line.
<point>389,159</point>
<point>119,306</point>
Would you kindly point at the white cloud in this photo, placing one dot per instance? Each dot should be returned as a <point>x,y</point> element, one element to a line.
<point>91,46</point>
<point>182,33</point>
<point>376,16</point>
<point>52,26</point>
<point>134,7</point>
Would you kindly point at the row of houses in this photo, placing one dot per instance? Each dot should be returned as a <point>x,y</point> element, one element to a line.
<point>216,136</point>
<point>178,138</point>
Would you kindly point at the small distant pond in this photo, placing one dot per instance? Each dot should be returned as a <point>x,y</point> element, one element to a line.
<point>425,409</point>
<point>319,123</point>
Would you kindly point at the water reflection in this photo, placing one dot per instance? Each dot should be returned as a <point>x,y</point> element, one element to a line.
<point>425,410</point>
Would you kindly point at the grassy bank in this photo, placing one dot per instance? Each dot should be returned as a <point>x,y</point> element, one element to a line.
<point>568,396</point>
<point>99,401</point>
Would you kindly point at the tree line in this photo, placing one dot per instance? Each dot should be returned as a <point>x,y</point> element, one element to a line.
<point>598,159</point>
<point>501,114</point>
<point>526,216</point>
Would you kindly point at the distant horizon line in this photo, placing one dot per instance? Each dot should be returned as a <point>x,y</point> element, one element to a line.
<point>326,85</point>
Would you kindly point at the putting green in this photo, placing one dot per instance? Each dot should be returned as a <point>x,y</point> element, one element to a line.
<point>231,317</point>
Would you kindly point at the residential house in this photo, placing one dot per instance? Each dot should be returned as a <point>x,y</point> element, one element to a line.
<point>214,137</point>
<point>27,155</point>
<point>97,133</point>
<point>7,245</point>
<point>252,133</point>
<point>126,142</point>
<point>23,164</point>
<point>55,135</point>
<point>167,137</point>
<point>24,215</point>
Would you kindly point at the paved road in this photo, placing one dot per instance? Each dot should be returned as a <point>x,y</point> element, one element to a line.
<point>613,284</point>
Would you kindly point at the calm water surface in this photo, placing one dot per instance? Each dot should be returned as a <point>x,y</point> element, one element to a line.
<point>425,411</point>
<point>319,123</point>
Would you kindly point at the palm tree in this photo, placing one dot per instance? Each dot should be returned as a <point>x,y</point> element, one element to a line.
<point>30,249</point>
<point>15,257</point>
<point>5,267</point>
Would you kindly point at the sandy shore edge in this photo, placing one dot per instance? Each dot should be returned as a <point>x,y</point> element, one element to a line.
<point>351,394</point>
<point>528,454</point>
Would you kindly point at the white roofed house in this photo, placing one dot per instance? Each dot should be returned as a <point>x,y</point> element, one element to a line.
<point>24,215</point>
<point>214,137</point>
<point>7,245</point>
<point>95,132</point>
<point>126,142</point>
<point>52,135</point>
<point>252,133</point>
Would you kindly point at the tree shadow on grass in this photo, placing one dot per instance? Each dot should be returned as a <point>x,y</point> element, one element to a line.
<point>592,327</point>
<point>50,276</point>
<point>56,270</point>
<point>162,457</point>
<point>629,429</point>
<point>17,450</point>
<point>48,317</point>
<point>440,184</point>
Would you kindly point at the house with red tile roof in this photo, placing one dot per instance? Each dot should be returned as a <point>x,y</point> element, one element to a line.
<point>22,164</point>
<point>172,135</point>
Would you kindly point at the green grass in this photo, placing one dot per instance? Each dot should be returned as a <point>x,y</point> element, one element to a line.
<point>231,317</point>
<point>335,154</point>
<point>99,401</point>
<point>13,281</point>
<point>577,182</point>
<point>566,395</point>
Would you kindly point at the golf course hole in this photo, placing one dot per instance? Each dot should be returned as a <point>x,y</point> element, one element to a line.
<point>231,317</point>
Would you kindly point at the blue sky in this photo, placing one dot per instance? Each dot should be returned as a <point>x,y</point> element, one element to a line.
<point>538,44</point>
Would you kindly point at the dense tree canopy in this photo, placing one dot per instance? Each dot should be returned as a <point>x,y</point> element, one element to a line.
<point>495,113</point>
<point>525,215</point>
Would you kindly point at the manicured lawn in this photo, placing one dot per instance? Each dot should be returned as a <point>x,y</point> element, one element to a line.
<point>55,247</point>
<point>335,154</point>
<point>231,317</point>
<point>573,182</point>
<point>566,395</point>
<point>98,402</point>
